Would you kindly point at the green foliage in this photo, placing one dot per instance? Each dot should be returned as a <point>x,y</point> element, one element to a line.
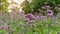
<point>37,4</point>
<point>4,5</point>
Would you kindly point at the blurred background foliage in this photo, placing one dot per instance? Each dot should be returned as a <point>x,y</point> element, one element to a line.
<point>35,5</point>
<point>32,6</point>
<point>4,5</point>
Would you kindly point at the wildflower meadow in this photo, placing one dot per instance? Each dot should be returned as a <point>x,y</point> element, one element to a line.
<point>33,18</point>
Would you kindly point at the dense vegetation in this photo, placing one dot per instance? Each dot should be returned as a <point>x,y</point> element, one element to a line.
<point>36,17</point>
<point>37,5</point>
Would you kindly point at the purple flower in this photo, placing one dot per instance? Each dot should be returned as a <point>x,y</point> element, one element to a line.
<point>41,16</point>
<point>29,16</point>
<point>3,26</point>
<point>50,13</point>
<point>27,20</point>
<point>48,7</point>
<point>22,13</point>
<point>49,10</point>
<point>14,13</point>
<point>8,27</point>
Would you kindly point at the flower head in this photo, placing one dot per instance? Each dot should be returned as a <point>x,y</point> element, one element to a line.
<point>48,7</point>
<point>50,11</point>
<point>29,17</point>
<point>51,15</point>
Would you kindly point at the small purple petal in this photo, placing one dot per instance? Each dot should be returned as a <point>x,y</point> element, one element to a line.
<point>48,7</point>
<point>51,15</point>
